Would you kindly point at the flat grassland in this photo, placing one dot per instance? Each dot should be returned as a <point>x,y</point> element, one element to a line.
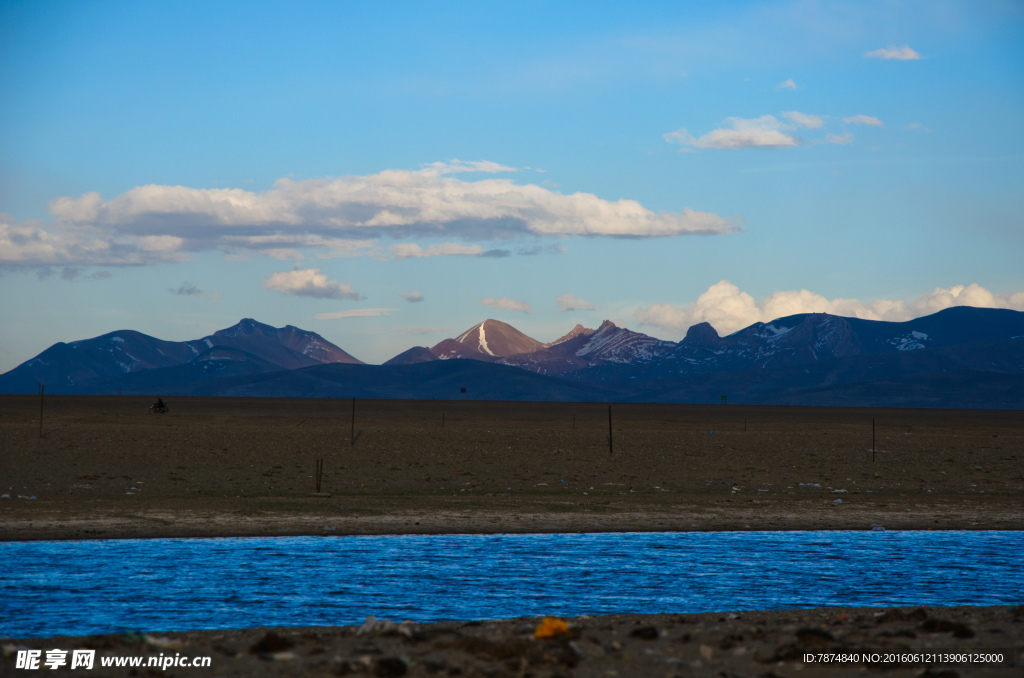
<point>105,468</point>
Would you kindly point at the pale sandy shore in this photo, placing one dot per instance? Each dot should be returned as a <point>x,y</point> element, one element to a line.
<point>897,642</point>
<point>348,515</point>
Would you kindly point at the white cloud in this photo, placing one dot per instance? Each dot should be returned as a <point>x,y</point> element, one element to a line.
<point>310,282</point>
<point>843,139</point>
<point>507,304</point>
<point>34,243</point>
<point>330,217</point>
<point>728,309</point>
<point>765,131</point>
<point>456,166</point>
<point>408,250</point>
<point>355,313</point>
<point>786,84</point>
<point>916,127</point>
<point>567,302</point>
<point>899,53</point>
<point>864,120</point>
<point>412,297</point>
<point>804,119</point>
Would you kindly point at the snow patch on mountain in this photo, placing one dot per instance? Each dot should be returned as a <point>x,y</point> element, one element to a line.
<point>312,346</point>
<point>909,342</point>
<point>618,345</point>
<point>462,337</point>
<point>483,339</point>
<point>772,332</point>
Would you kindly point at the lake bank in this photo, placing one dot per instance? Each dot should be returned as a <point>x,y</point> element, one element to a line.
<point>337,515</point>
<point>761,643</point>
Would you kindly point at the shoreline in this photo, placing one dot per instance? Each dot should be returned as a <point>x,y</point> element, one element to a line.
<point>44,522</point>
<point>776,643</point>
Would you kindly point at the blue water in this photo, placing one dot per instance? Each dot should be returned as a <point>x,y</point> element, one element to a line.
<point>77,588</point>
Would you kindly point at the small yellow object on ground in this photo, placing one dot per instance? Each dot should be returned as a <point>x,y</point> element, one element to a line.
<point>551,627</point>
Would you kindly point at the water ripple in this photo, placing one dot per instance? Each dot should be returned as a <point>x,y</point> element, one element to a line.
<point>77,588</point>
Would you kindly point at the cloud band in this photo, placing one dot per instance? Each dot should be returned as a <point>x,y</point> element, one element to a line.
<point>336,217</point>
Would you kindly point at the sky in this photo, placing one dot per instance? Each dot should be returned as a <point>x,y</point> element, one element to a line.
<point>390,174</point>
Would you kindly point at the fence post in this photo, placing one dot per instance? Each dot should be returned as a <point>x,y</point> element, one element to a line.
<point>611,449</point>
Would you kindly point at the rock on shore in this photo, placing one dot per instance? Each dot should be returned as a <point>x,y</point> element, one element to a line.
<point>759,643</point>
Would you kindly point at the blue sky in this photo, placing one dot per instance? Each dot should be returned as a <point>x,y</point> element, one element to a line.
<point>389,175</point>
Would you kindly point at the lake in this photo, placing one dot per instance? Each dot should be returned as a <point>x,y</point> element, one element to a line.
<point>86,587</point>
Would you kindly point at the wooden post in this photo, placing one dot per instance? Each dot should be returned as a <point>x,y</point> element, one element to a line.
<point>611,450</point>
<point>352,438</point>
<point>872,440</point>
<point>319,473</point>
<point>42,393</point>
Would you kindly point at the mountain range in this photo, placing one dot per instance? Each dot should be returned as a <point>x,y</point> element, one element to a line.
<point>958,357</point>
<point>91,365</point>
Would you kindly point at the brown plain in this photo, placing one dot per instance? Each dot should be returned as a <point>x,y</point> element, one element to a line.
<point>104,467</point>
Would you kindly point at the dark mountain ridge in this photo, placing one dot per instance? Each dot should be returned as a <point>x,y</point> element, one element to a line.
<point>974,357</point>
<point>80,366</point>
<point>416,354</point>
<point>808,338</point>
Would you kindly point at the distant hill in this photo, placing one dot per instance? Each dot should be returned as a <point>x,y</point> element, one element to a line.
<point>452,349</point>
<point>986,374</point>
<point>810,338</point>
<point>70,367</point>
<point>494,341</point>
<point>102,363</point>
<point>958,357</point>
<point>571,334</point>
<point>416,354</point>
<point>488,340</point>
<point>288,346</point>
<point>434,380</point>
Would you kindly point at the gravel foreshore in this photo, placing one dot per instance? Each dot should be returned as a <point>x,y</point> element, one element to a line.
<point>895,642</point>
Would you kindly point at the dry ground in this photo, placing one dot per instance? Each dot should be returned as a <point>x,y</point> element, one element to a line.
<point>766,644</point>
<point>105,467</point>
